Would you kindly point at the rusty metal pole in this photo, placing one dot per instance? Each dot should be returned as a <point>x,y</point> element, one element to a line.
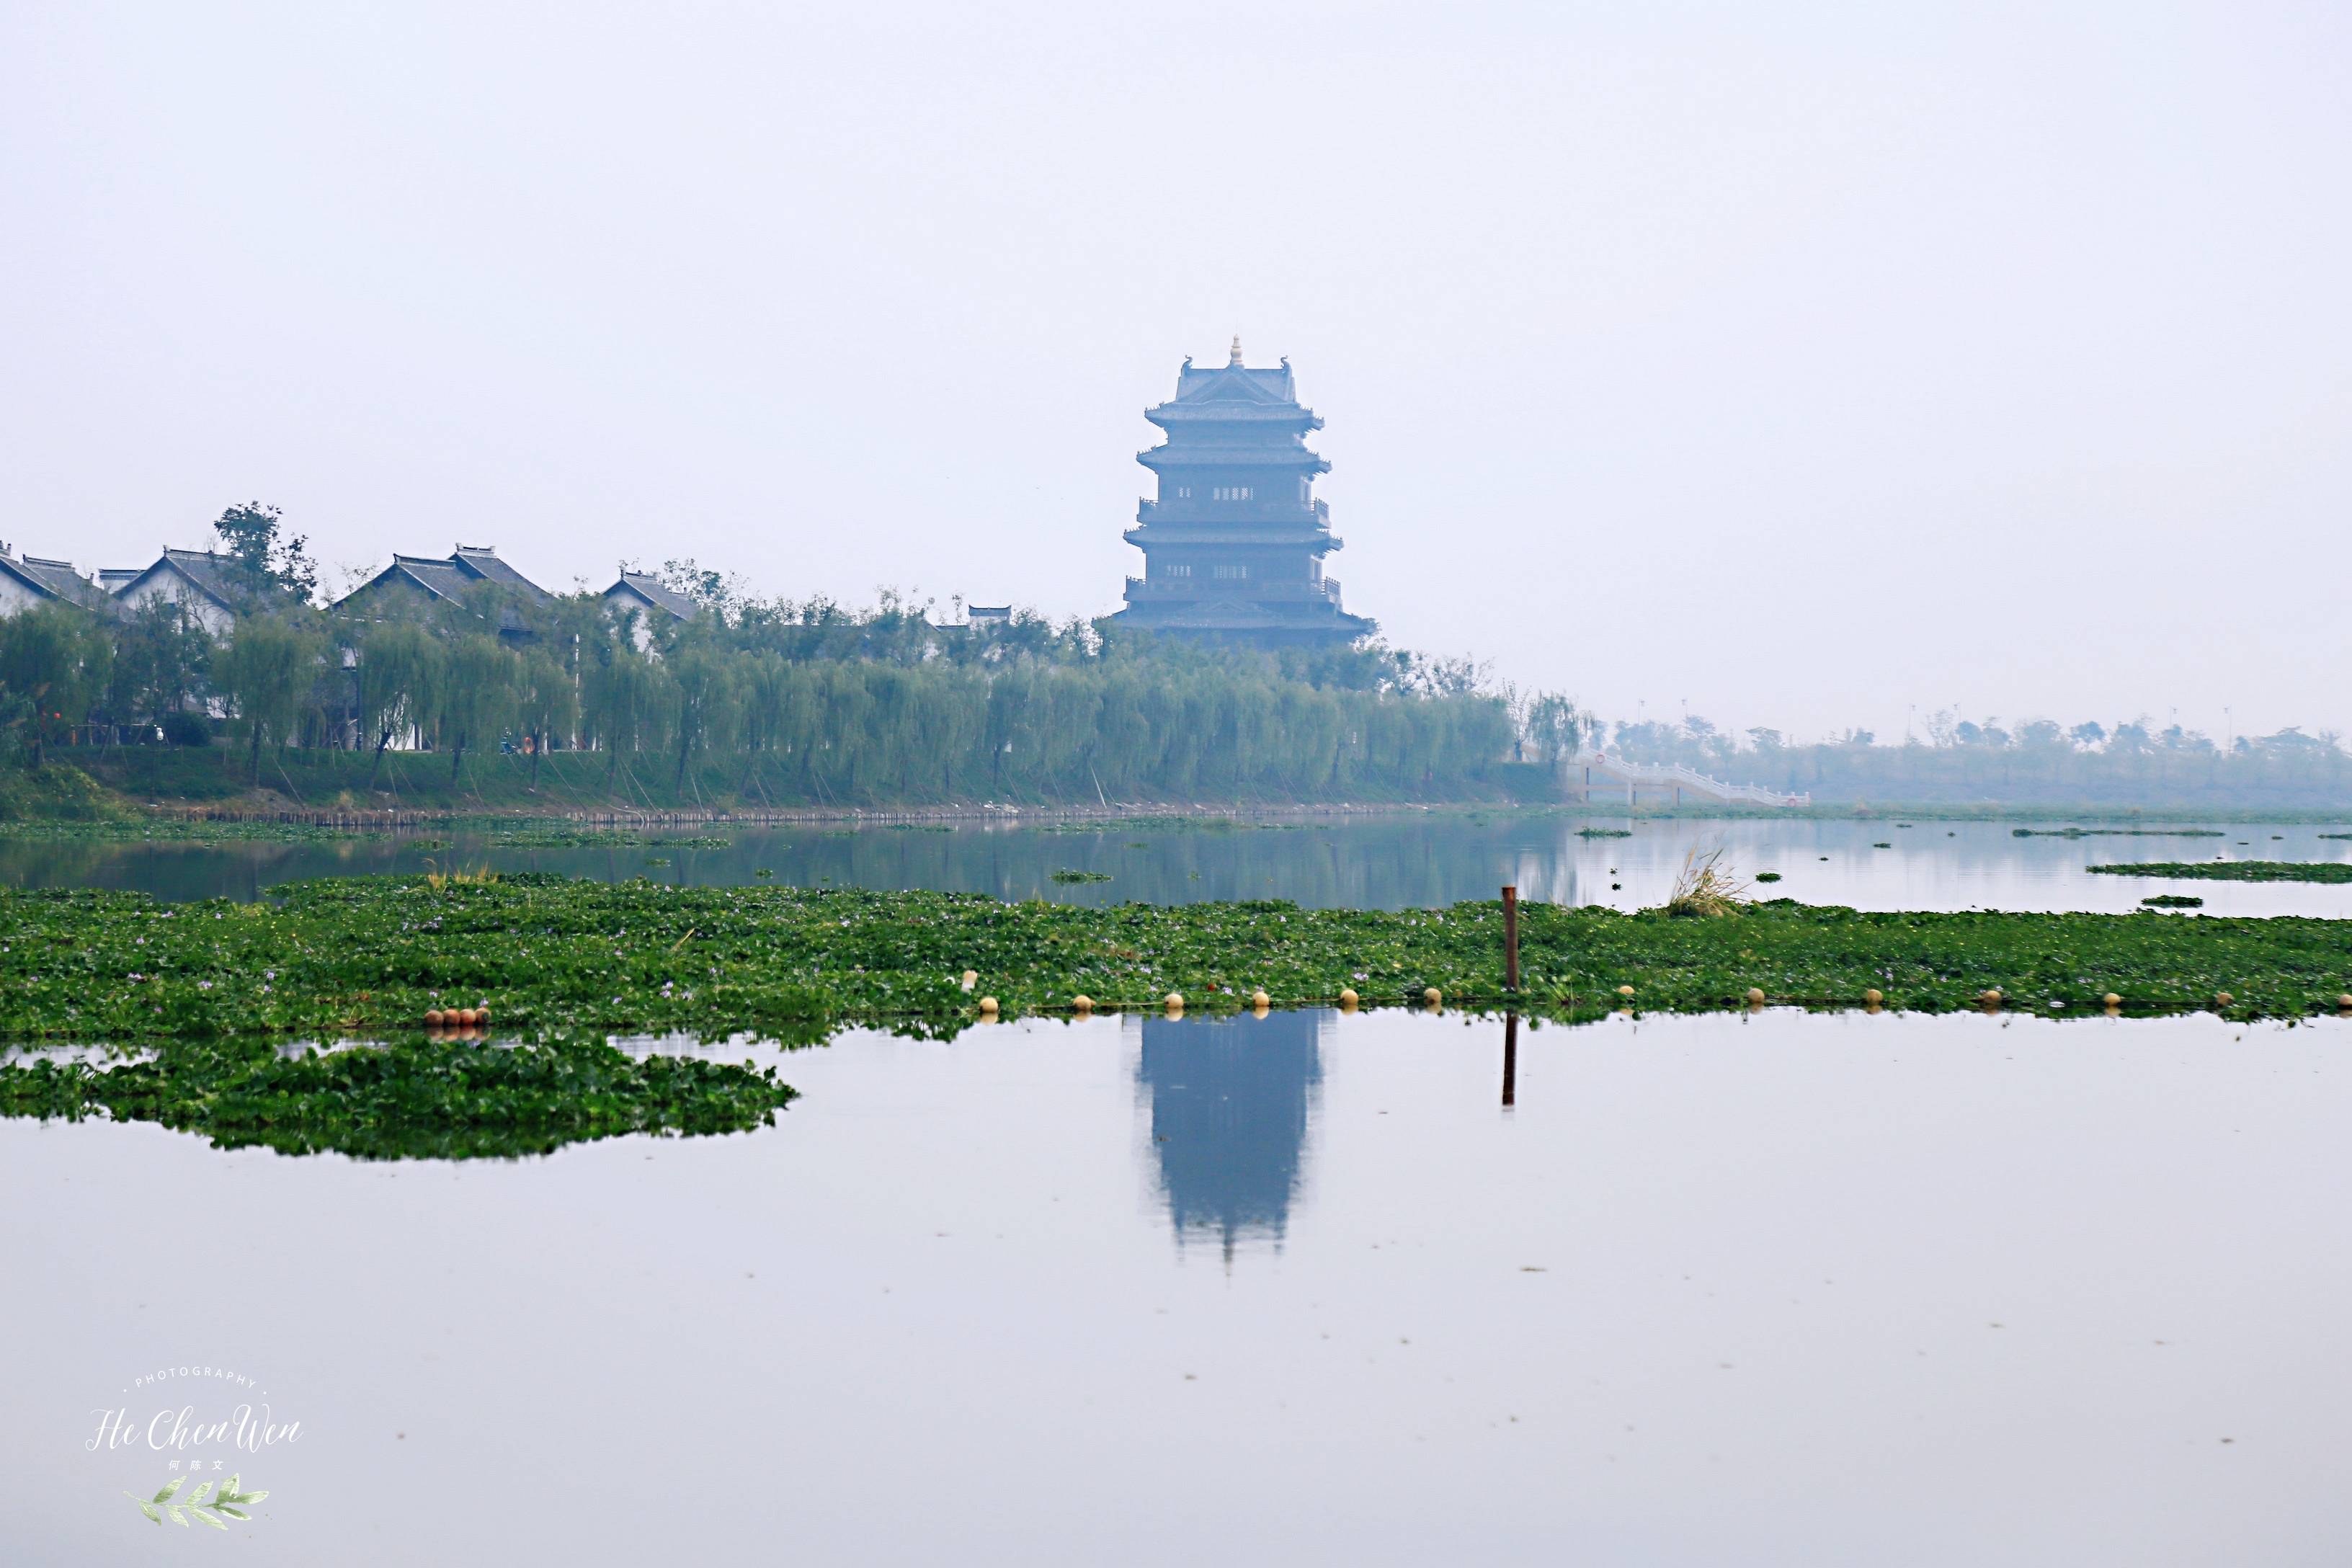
<point>1511,940</point>
<point>1510,1059</point>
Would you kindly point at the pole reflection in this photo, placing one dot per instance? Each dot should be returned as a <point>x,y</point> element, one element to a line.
<point>1510,1060</point>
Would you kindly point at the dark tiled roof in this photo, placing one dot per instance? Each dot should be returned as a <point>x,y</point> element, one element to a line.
<point>215,574</point>
<point>1234,383</point>
<point>1243,615</point>
<point>654,591</point>
<point>449,578</point>
<point>1229,393</point>
<point>481,561</point>
<point>59,580</point>
<point>441,579</point>
<point>1293,536</point>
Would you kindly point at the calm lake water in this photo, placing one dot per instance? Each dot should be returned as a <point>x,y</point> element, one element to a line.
<point>1389,861</point>
<point>1770,1290</point>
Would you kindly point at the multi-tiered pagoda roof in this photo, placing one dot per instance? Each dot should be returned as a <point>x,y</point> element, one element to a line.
<point>1234,543</point>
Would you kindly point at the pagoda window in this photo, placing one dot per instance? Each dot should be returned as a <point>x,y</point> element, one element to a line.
<point>1231,569</point>
<point>1183,492</point>
<point>1175,569</point>
<point>1234,492</point>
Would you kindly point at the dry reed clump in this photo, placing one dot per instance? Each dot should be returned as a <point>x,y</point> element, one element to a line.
<point>1704,890</point>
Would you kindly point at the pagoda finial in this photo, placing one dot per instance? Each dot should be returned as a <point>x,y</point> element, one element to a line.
<point>1237,351</point>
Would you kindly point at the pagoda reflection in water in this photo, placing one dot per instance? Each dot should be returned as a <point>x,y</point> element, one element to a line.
<point>1230,1100</point>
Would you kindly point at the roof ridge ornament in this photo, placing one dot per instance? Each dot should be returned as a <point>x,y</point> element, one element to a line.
<point>1234,363</point>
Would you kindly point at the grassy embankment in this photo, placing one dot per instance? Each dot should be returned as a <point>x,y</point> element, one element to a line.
<point>98,783</point>
<point>494,832</point>
<point>131,778</point>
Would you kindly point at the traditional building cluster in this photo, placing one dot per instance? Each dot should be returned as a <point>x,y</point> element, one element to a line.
<point>1233,543</point>
<point>213,591</point>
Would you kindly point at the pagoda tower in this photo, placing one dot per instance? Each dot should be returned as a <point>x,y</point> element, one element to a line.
<point>1234,543</point>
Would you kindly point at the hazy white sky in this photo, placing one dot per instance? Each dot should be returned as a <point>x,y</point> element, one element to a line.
<point>1803,362</point>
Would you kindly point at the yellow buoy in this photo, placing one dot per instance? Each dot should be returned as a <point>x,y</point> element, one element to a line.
<point>2345,1000</point>
<point>2220,998</point>
<point>1992,997</point>
<point>1348,997</point>
<point>1175,1001</point>
<point>1756,996</point>
<point>987,1003</point>
<point>1873,996</point>
<point>2111,1000</point>
<point>1434,996</point>
<point>1260,999</point>
<point>1625,991</point>
<point>1082,1003</point>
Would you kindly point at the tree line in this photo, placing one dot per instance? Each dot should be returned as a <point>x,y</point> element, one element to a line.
<point>2030,762</point>
<point>811,701</point>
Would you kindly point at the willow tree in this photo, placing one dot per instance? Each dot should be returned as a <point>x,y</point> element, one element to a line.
<point>267,670</point>
<point>703,696</point>
<point>399,671</point>
<point>547,704</point>
<point>161,655</point>
<point>53,661</point>
<point>477,694</point>
<point>1556,727</point>
<point>623,699</point>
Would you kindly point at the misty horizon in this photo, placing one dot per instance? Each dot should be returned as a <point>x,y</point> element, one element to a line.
<point>1814,371</point>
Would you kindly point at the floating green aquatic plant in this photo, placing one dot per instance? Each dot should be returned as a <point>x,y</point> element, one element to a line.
<point>552,956</point>
<point>2119,833</point>
<point>567,838</point>
<point>2236,871</point>
<point>407,1100</point>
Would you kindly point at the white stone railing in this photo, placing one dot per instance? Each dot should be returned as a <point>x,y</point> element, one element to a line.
<point>1675,776</point>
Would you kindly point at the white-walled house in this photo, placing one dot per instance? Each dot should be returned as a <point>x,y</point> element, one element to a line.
<point>652,602</point>
<point>207,586</point>
<point>30,580</point>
